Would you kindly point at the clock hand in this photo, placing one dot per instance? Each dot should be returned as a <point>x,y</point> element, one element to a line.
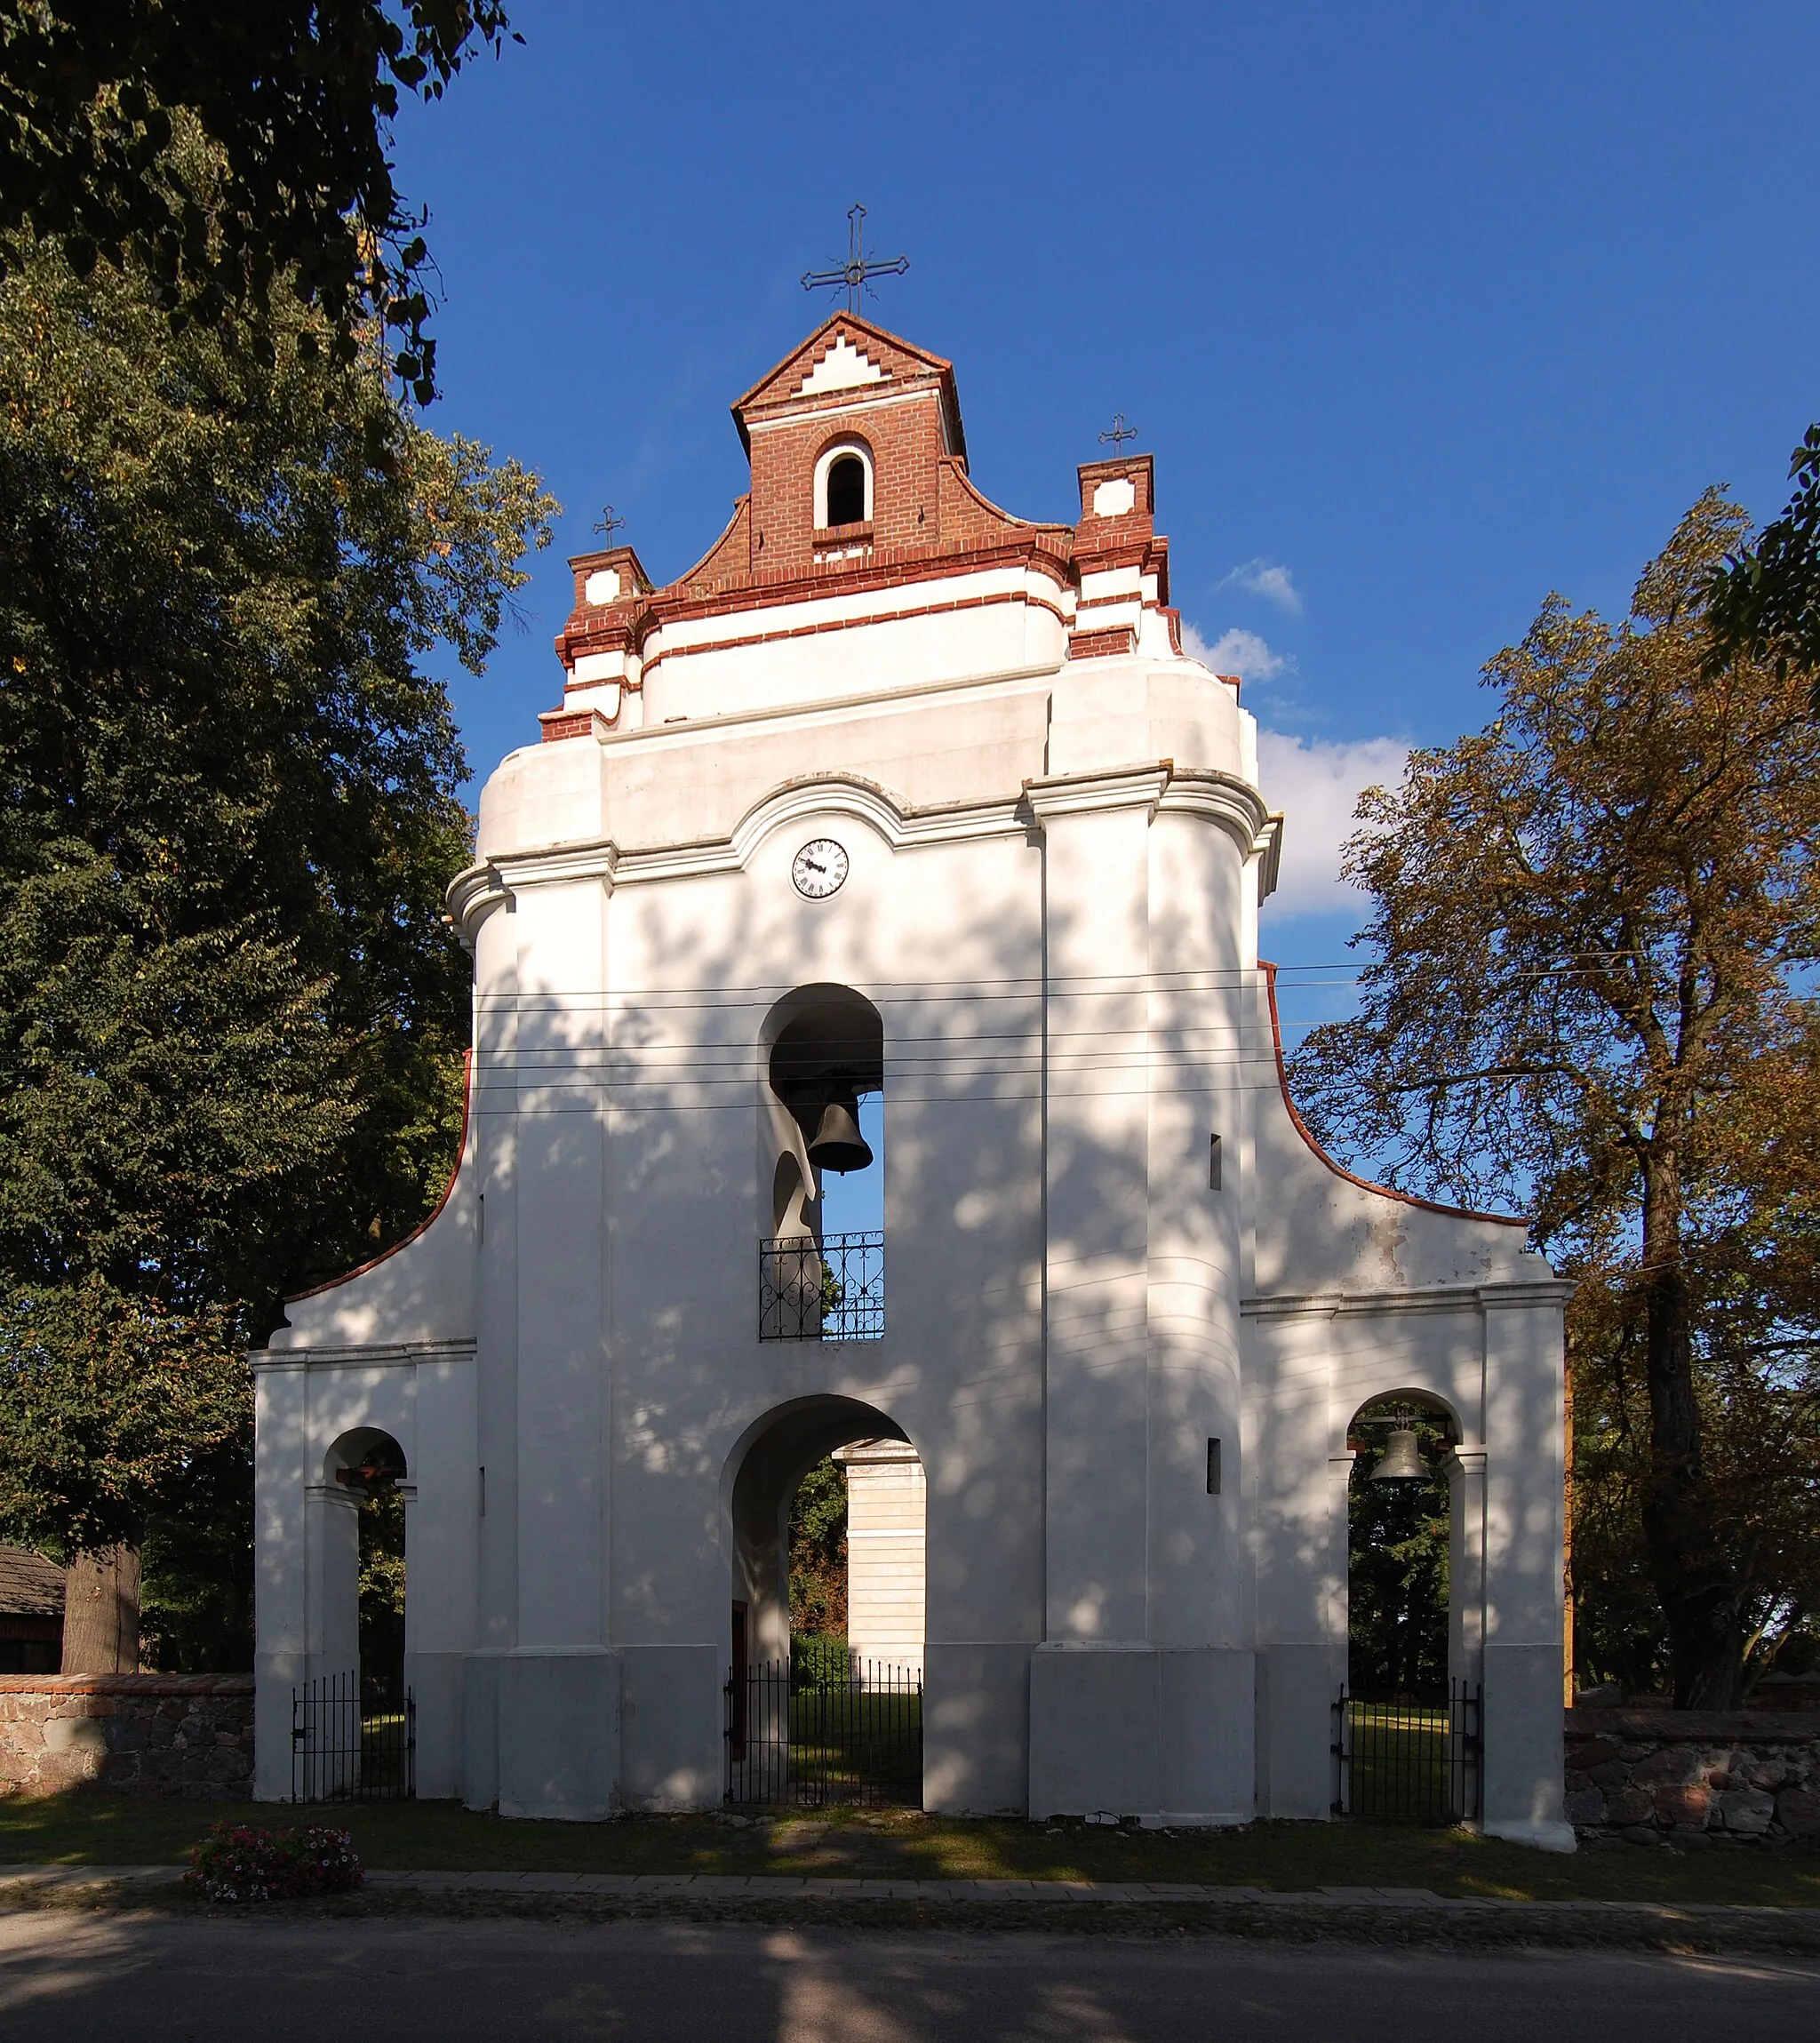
<point>814,866</point>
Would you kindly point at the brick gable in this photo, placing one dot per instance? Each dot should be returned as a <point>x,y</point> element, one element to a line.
<point>853,385</point>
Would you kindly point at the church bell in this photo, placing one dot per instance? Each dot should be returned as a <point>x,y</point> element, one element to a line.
<point>1402,1460</point>
<point>839,1145</point>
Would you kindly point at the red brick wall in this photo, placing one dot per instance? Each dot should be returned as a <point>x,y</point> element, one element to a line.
<point>905,441</point>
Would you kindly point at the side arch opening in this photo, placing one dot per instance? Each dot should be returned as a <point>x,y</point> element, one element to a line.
<point>353,1735</point>
<point>1409,1736</point>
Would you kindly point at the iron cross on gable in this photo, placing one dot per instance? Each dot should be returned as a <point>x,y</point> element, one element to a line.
<point>1120,434</point>
<point>608,522</point>
<point>856,274</point>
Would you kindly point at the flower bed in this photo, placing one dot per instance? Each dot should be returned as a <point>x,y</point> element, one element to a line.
<point>236,1862</point>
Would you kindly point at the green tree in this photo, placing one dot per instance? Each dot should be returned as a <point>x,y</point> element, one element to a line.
<point>297,103</point>
<point>819,1553</point>
<point>382,1568</point>
<point>1765,601</point>
<point>231,1013</point>
<point>1590,921</point>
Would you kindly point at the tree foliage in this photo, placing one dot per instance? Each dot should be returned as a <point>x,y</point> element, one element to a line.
<point>231,1013</point>
<point>197,1581</point>
<point>819,1551</point>
<point>1765,602</point>
<point>382,1569</point>
<point>298,194</point>
<point>104,1400</point>
<point>1591,922</point>
<point>1753,1259</point>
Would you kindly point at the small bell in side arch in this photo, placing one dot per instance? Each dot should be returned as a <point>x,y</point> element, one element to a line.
<point>1402,1458</point>
<point>839,1145</point>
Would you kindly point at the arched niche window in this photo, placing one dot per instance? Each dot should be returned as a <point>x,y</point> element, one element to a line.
<point>844,485</point>
<point>368,1466</point>
<point>846,490</point>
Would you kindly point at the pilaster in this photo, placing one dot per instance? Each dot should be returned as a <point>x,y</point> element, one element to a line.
<point>1096,943</point>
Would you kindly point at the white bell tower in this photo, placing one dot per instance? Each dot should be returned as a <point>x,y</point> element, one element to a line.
<point>895,792</point>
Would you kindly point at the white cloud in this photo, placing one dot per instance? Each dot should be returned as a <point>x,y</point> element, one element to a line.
<point>1258,577</point>
<point>1240,652</point>
<point>1317,784</point>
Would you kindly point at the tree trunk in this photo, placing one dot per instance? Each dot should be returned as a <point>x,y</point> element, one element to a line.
<point>100,1612</point>
<point>1687,1565</point>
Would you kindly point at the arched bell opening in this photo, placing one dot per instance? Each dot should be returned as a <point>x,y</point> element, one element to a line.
<point>367,1468</point>
<point>822,1137</point>
<point>1400,1561</point>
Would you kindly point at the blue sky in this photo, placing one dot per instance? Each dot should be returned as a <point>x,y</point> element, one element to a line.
<point>1423,310</point>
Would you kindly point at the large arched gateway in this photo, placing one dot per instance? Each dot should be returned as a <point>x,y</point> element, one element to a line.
<point>925,807</point>
<point>806,1726</point>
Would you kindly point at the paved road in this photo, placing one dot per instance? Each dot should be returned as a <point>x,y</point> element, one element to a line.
<point>152,1979</point>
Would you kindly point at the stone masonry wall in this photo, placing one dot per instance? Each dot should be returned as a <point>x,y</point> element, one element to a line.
<point>1694,1776</point>
<point>188,1735</point>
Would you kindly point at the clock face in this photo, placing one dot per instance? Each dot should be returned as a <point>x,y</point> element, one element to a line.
<point>819,868</point>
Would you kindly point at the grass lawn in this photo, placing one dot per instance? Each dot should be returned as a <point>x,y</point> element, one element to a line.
<point>89,1828</point>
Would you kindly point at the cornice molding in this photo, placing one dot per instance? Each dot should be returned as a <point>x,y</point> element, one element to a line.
<point>482,887</point>
<point>1268,846</point>
<point>472,895</point>
<point>901,826</point>
<point>1160,789</point>
<point>555,864</point>
<point>1214,797</point>
<point>1087,794</point>
<point>367,1355</point>
<point>1222,798</point>
<point>1529,1293</point>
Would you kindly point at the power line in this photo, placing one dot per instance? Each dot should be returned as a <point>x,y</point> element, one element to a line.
<point>1186,979</point>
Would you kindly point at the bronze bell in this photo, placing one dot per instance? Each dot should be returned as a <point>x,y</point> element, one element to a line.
<point>839,1145</point>
<point>1402,1458</point>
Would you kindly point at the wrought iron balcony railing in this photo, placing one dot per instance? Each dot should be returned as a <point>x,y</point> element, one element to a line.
<point>832,1289</point>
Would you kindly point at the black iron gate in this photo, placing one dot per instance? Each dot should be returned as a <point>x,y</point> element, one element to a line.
<point>1407,1761</point>
<point>808,1733</point>
<point>350,1745</point>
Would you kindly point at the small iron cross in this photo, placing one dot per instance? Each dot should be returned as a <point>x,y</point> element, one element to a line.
<point>1120,433</point>
<point>608,522</point>
<point>855,275</point>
